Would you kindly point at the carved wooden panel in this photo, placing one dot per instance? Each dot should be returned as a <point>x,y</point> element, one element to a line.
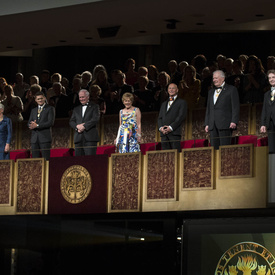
<point>198,117</point>
<point>236,161</point>
<point>109,129</point>
<point>161,175</point>
<point>61,134</point>
<point>6,172</point>
<point>149,127</point>
<point>30,186</point>
<point>243,127</point>
<point>197,168</point>
<point>124,182</point>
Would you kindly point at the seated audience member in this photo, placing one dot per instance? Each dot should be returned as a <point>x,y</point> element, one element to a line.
<point>3,83</point>
<point>228,67</point>
<point>29,100</point>
<point>236,79</point>
<point>113,98</point>
<point>144,98</point>
<point>143,71</point>
<point>59,101</point>
<point>20,87</point>
<point>207,83</point>
<point>243,58</point>
<point>199,62</point>
<point>205,73</point>
<point>55,78</point>
<point>153,74</point>
<point>96,69</point>
<point>45,80</point>
<point>160,92</point>
<point>95,97</point>
<point>86,80</point>
<point>175,75</point>
<point>130,73</point>
<point>220,61</point>
<point>13,105</point>
<point>255,81</point>
<point>34,79</point>
<point>66,84</point>
<point>182,66</point>
<point>102,81</point>
<point>190,87</point>
<point>73,98</point>
<point>270,63</point>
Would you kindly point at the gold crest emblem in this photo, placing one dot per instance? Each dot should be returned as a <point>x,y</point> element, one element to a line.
<point>76,184</point>
<point>246,258</point>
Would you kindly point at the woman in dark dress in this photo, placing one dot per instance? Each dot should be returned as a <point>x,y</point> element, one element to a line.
<point>5,134</point>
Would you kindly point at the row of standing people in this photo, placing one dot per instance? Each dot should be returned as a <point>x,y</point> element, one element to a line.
<point>116,95</point>
<point>148,86</point>
<point>222,116</point>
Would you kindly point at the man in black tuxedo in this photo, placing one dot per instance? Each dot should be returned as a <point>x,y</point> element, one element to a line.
<point>222,111</point>
<point>268,112</point>
<point>84,121</point>
<point>171,116</point>
<point>40,123</point>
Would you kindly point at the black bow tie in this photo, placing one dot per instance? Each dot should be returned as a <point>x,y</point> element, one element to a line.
<point>85,104</point>
<point>218,88</point>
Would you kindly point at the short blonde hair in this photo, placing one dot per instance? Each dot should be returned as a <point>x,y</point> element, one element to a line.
<point>126,96</point>
<point>2,107</point>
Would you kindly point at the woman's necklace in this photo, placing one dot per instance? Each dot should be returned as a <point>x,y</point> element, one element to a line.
<point>128,110</point>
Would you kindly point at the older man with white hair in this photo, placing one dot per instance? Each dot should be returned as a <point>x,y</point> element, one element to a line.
<point>84,121</point>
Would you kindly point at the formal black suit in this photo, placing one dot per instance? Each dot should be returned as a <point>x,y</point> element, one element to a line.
<point>174,118</point>
<point>41,137</point>
<point>219,116</point>
<point>268,120</point>
<point>86,142</point>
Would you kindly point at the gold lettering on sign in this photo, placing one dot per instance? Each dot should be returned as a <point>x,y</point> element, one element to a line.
<point>246,258</point>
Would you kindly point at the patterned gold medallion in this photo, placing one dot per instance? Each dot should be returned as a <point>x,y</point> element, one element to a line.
<point>246,258</point>
<point>76,184</point>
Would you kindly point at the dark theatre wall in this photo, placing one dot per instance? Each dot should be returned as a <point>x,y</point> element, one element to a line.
<point>179,46</point>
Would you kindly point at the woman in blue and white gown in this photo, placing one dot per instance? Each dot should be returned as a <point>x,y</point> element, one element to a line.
<point>5,134</point>
<point>129,132</point>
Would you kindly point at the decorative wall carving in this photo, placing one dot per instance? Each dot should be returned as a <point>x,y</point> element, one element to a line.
<point>197,168</point>
<point>124,182</point>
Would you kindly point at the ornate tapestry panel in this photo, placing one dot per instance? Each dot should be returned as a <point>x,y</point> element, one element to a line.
<point>236,161</point>
<point>243,125</point>
<point>61,133</point>
<point>6,181</point>
<point>149,127</point>
<point>161,175</point>
<point>198,117</point>
<point>125,182</point>
<point>30,186</point>
<point>110,124</point>
<point>197,168</point>
<point>25,136</point>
